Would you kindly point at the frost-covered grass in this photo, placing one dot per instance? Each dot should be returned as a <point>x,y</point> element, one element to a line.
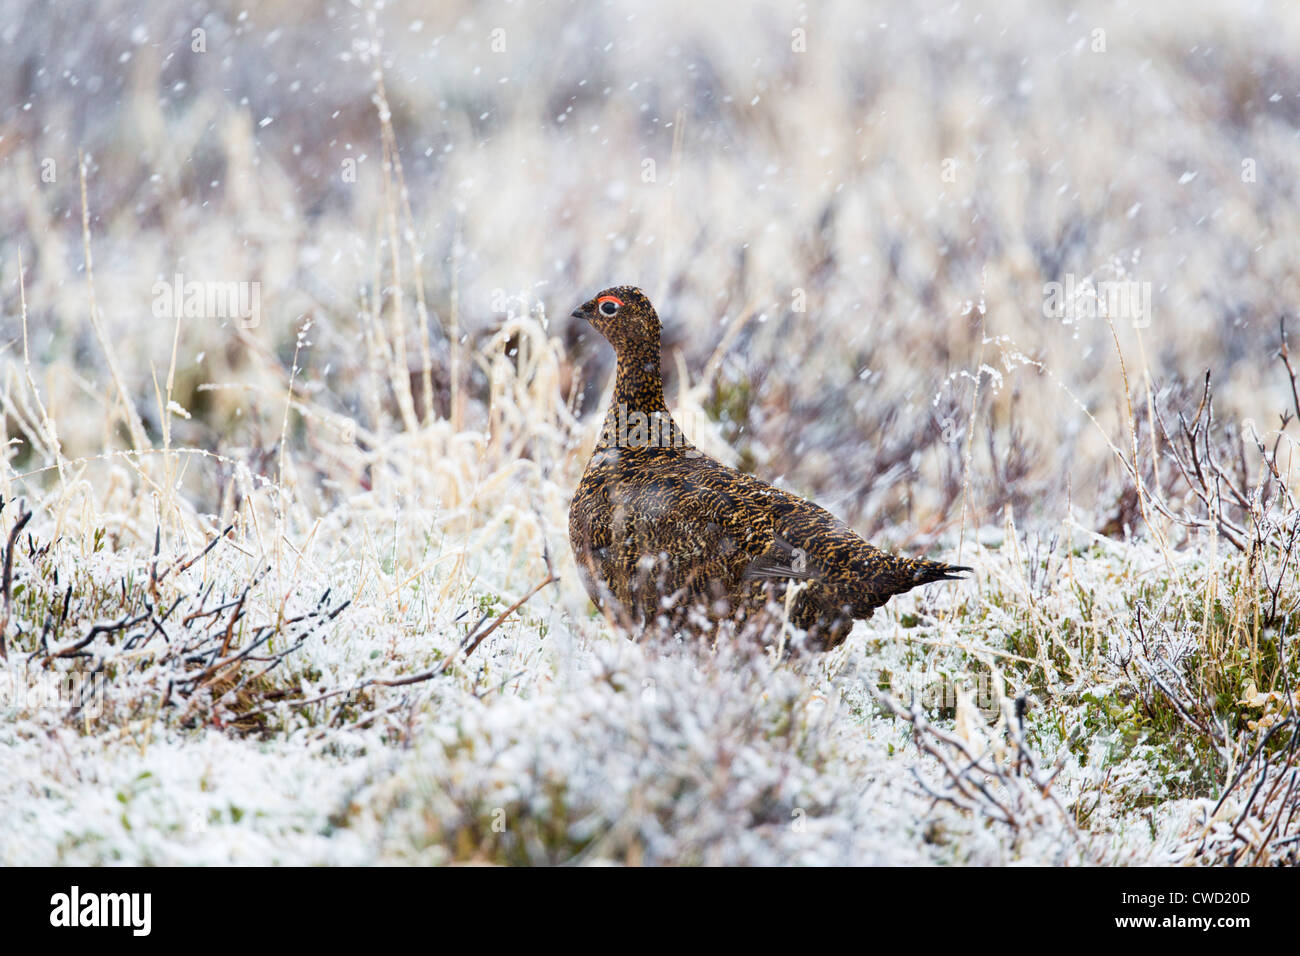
<point>557,740</point>
<point>299,590</point>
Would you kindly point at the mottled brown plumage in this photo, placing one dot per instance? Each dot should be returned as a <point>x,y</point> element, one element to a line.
<point>662,532</point>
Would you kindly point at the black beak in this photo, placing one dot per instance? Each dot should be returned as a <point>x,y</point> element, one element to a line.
<point>578,314</point>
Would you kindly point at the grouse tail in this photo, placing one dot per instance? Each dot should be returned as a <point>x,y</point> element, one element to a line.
<point>931,571</point>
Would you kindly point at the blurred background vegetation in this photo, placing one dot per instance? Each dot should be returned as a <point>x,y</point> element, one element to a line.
<point>845,213</point>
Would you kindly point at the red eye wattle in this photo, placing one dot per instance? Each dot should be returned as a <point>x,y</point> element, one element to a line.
<point>609,298</point>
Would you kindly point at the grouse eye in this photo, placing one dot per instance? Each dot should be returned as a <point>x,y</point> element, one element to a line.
<point>608,307</point>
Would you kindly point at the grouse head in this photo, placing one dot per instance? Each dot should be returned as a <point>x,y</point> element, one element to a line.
<point>624,316</point>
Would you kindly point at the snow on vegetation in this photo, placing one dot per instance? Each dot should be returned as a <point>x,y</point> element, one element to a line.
<point>286,576</point>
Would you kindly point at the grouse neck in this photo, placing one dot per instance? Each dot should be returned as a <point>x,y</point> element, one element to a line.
<point>638,418</point>
<point>639,382</point>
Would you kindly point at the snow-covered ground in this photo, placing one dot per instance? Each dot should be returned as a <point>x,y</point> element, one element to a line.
<point>559,739</point>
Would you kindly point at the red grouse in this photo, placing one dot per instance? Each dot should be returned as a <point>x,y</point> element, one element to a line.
<point>662,533</point>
